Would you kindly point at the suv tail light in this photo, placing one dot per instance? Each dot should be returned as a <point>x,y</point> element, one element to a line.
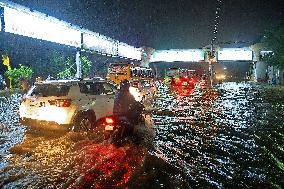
<point>60,102</point>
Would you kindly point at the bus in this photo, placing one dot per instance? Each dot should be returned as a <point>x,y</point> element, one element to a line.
<point>121,71</point>
<point>118,72</point>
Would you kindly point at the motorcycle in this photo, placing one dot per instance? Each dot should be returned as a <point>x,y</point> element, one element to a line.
<point>117,129</point>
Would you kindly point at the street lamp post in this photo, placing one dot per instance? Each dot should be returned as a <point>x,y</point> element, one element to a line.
<point>78,65</point>
<point>210,72</point>
<point>78,60</point>
<point>211,60</point>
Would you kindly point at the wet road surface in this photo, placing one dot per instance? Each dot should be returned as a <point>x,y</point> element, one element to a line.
<point>231,136</point>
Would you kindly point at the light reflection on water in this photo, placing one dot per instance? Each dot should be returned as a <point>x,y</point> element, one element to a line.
<point>227,137</point>
<point>9,134</point>
<point>212,137</point>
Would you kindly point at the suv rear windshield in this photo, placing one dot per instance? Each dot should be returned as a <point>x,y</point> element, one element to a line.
<point>49,90</point>
<point>97,88</point>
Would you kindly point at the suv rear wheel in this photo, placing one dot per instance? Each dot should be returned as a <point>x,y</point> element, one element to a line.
<point>84,122</point>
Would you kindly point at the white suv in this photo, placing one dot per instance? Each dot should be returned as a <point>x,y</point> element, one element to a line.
<point>67,104</point>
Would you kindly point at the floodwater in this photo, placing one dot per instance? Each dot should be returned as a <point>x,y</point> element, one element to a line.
<point>231,136</point>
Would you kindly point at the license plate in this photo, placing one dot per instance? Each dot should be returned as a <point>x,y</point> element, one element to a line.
<point>37,104</point>
<point>109,128</point>
<point>41,104</point>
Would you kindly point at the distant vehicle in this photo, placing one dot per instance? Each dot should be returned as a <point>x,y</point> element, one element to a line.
<point>171,73</point>
<point>146,88</point>
<point>67,104</point>
<point>121,71</point>
<point>220,77</point>
<point>141,73</point>
<point>118,72</point>
<point>203,81</point>
<point>177,77</point>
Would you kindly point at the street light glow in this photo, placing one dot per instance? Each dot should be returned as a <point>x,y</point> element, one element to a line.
<point>127,51</point>
<point>21,21</point>
<point>234,54</point>
<point>39,27</point>
<point>96,42</point>
<point>175,55</point>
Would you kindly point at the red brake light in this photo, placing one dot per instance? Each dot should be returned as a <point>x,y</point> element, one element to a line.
<point>60,102</point>
<point>64,103</point>
<point>52,102</point>
<point>177,79</point>
<point>109,120</point>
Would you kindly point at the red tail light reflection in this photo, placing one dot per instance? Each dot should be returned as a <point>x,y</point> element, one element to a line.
<point>113,168</point>
<point>60,102</point>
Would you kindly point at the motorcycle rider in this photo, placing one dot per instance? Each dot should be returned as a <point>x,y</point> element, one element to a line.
<point>125,104</point>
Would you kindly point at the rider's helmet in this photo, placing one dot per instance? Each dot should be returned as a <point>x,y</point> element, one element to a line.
<point>124,84</point>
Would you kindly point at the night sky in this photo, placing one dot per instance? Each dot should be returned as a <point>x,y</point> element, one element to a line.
<point>166,24</point>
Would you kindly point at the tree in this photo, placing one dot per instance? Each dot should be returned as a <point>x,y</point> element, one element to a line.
<point>50,65</point>
<point>273,40</point>
<point>86,66</point>
<point>69,68</point>
<point>16,74</point>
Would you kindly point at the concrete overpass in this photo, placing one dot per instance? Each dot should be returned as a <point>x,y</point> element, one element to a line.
<point>37,25</point>
<point>20,20</point>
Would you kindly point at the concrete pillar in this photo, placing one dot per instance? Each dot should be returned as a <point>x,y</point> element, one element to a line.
<point>281,77</point>
<point>146,56</point>
<point>260,71</point>
<point>78,66</point>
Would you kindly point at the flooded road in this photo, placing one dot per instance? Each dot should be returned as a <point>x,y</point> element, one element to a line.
<point>229,137</point>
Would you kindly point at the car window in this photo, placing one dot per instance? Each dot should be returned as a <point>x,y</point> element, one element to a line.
<point>109,89</point>
<point>50,90</point>
<point>92,88</point>
<point>84,88</point>
<point>145,83</point>
<point>97,88</point>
